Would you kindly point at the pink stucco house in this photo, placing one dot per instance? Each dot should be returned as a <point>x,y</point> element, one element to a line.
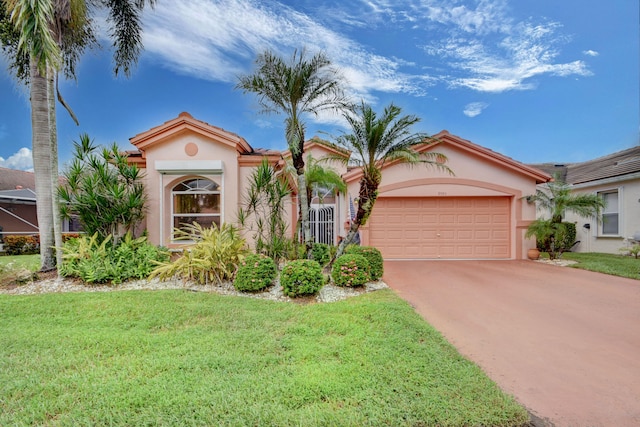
<point>196,171</point>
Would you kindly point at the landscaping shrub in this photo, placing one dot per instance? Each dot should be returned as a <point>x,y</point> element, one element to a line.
<point>21,245</point>
<point>633,250</point>
<point>553,238</point>
<point>255,273</point>
<point>301,277</point>
<point>373,256</point>
<point>98,261</point>
<point>214,257</point>
<point>321,253</point>
<point>70,235</point>
<point>350,270</point>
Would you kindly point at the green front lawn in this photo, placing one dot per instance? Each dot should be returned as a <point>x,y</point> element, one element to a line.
<point>183,358</point>
<point>617,265</point>
<point>30,262</point>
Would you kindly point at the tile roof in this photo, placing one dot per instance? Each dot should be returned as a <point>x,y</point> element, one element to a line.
<point>11,179</point>
<point>621,163</point>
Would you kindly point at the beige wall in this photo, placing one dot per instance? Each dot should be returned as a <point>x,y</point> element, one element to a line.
<point>159,185</point>
<point>591,239</point>
<point>478,172</point>
<point>473,176</point>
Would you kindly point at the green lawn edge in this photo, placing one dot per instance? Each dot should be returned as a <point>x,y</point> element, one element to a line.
<point>185,358</point>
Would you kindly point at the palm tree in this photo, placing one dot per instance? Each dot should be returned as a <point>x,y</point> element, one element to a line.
<point>557,199</point>
<point>296,88</point>
<point>32,20</point>
<point>53,33</point>
<point>375,141</point>
<point>317,176</point>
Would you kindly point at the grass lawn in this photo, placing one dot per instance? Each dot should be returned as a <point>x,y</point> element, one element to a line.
<point>617,265</point>
<point>183,358</point>
<point>30,262</point>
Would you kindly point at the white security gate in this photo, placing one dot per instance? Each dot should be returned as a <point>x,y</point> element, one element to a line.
<point>323,224</point>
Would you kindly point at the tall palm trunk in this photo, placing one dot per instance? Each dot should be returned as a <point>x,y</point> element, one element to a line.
<point>55,205</point>
<point>41,147</point>
<point>303,199</point>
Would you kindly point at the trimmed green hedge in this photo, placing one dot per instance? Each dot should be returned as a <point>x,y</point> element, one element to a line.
<point>301,277</point>
<point>255,273</point>
<point>350,270</point>
<point>373,256</point>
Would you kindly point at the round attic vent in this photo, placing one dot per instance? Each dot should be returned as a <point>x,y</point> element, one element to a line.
<point>191,149</point>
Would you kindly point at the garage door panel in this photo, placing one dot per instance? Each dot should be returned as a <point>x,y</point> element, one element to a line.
<point>456,227</point>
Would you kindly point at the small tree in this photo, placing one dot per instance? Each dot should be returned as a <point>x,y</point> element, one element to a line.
<point>296,88</point>
<point>103,191</point>
<point>556,198</point>
<point>263,211</point>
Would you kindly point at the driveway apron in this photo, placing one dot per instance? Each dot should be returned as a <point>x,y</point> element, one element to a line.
<point>565,342</point>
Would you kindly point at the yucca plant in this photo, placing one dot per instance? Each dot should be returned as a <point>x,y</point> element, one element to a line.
<point>211,256</point>
<point>263,211</point>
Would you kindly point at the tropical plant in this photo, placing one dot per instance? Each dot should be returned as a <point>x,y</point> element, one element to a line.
<point>301,277</point>
<point>552,237</point>
<point>375,141</point>
<point>263,210</point>
<point>213,254</point>
<point>97,260</point>
<point>45,36</point>
<point>102,190</point>
<point>255,273</point>
<point>556,199</point>
<point>373,257</point>
<point>350,270</point>
<point>633,250</point>
<point>297,88</point>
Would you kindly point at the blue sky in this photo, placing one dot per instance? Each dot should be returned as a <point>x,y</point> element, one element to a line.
<point>538,81</point>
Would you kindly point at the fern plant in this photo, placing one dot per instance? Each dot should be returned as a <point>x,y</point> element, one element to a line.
<point>211,256</point>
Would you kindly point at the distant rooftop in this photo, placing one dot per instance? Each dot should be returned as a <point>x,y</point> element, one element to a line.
<point>12,179</point>
<point>621,163</point>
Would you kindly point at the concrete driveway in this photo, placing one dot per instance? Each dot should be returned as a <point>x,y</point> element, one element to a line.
<point>565,342</point>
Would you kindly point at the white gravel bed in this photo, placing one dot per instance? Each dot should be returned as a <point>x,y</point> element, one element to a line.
<point>558,262</point>
<point>328,293</point>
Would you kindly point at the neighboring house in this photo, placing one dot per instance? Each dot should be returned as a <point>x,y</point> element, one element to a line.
<point>196,171</point>
<point>17,202</point>
<point>615,177</point>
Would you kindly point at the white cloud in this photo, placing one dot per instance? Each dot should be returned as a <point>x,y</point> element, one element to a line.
<point>527,51</point>
<point>474,109</point>
<point>476,45</point>
<point>219,40</point>
<point>22,160</point>
<point>591,52</point>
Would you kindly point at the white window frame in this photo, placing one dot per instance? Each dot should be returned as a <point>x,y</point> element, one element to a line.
<point>618,211</point>
<point>220,192</point>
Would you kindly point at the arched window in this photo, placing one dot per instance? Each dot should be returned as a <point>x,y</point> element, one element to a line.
<point>196,200</point>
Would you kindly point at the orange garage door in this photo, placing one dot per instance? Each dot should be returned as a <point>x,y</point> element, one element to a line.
<point>441,227</point>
